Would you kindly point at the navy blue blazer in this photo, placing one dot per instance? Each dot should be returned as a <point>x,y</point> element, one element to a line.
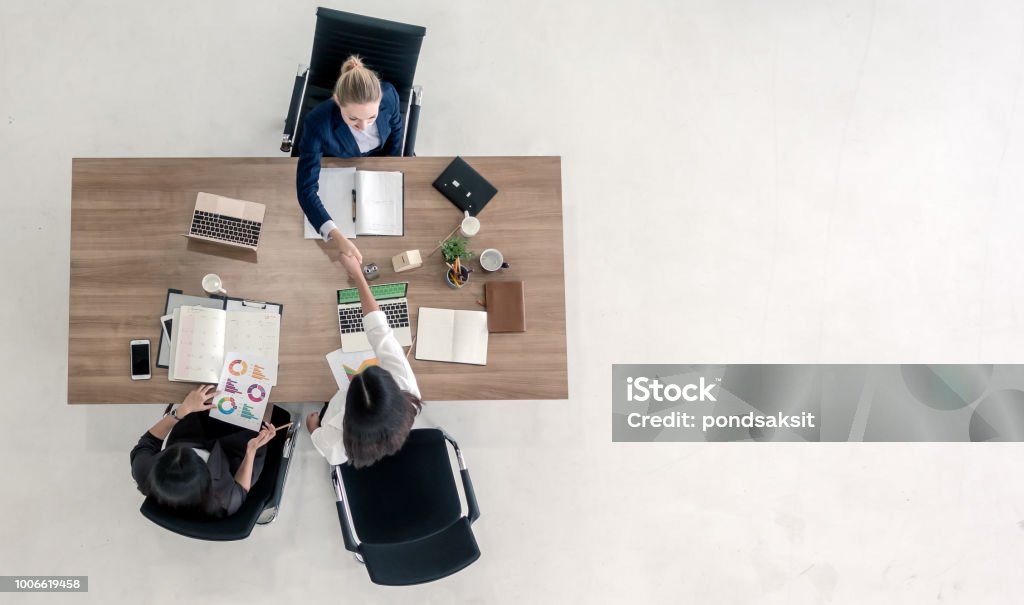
<point>324,133</point>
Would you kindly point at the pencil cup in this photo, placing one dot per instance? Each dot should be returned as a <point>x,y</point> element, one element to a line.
<point>449,278</point>
<point>470,226</point>
<point>212,284</point>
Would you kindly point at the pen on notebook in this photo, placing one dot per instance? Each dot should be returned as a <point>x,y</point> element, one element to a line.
<point>353,205</point>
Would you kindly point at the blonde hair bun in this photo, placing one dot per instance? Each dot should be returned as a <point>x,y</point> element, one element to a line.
<point>353,62</point>
<point>357,83</point>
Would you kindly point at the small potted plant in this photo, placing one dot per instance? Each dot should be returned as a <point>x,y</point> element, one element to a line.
<point>455,253</point>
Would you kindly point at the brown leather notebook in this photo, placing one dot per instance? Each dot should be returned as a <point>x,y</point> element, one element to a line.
<point>506,306</point>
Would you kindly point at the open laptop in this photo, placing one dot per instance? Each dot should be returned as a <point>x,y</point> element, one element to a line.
<point>464,187</point>
<point>227,221</point>
<point>392,301</point>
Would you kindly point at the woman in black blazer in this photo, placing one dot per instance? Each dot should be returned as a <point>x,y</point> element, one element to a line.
<point>362,118</point>
<point>207,467</point>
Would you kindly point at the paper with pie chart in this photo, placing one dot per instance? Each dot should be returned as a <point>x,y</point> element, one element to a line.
<point>244,390</point>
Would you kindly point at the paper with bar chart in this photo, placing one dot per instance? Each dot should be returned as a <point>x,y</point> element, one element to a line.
<point>346,365</point>
<point>243,390</point>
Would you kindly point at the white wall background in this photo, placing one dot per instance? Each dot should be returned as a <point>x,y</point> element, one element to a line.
<point>814,182</point>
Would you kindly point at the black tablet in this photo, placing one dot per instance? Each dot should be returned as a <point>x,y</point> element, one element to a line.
<point>464,187</point>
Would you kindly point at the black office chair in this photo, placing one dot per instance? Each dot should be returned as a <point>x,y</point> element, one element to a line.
<point>390,48</point>
<point>261,504</point>
<point>406,520</point>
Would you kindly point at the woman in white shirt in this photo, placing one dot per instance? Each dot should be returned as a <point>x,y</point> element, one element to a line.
<point>373,419</point>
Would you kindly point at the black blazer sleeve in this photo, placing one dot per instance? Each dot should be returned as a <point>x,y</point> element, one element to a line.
<point>307,176</point>
<point>143,455</point>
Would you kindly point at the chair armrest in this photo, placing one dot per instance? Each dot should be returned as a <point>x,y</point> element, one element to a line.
<point>412,121</point>
<point>467,482</point>
<point>348,534</point>
<point>273,505</point>
<point>291,120</point>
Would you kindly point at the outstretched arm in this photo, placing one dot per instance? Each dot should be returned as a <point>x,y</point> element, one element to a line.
<point>307,181</point>
<point>355,272</point>
<point>344,245</point>
<point>307,188</point>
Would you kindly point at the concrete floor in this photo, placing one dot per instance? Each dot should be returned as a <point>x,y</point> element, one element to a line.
<point>812,182</point>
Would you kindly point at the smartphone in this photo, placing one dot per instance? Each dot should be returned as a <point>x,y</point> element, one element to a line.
<point>140,360</point>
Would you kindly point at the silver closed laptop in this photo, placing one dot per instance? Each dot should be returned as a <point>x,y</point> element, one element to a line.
<point>227,221</point>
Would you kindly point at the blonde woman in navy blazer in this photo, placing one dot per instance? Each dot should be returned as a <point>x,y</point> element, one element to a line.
<point>361,119</point>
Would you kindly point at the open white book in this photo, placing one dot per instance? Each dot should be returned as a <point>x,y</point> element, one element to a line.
<point>379,202</point>
<point>200,338</point>
<point>449,335</point>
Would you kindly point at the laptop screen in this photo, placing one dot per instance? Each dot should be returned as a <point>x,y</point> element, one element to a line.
<point>379,291</point>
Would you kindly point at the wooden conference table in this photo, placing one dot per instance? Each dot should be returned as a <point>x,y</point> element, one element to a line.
<point>127,249</point>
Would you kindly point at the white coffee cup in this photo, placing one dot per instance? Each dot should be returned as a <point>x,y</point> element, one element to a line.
<point>470,226</point>
<point>212,284</point>
<point>491,260</point>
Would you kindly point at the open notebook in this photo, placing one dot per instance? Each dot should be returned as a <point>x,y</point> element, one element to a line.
<point>379,197</point>
<point>200,338</point>
<point>449,335</point>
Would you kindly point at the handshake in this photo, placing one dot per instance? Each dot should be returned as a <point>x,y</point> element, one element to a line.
<point>349,255</point>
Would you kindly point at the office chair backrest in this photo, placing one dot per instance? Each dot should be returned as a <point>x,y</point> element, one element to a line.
<point>408,495</point>
<point>389,48</point>
<point>240,524</point>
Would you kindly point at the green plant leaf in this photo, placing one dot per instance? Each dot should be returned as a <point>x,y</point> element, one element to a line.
<point>455,247</point>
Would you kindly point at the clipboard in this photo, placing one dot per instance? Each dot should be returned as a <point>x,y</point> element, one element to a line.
<point>244,304</point>
<point>176,299</point>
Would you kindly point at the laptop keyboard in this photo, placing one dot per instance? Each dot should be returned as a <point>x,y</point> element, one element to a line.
<point>226,228</point>
<point>350,319</point>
